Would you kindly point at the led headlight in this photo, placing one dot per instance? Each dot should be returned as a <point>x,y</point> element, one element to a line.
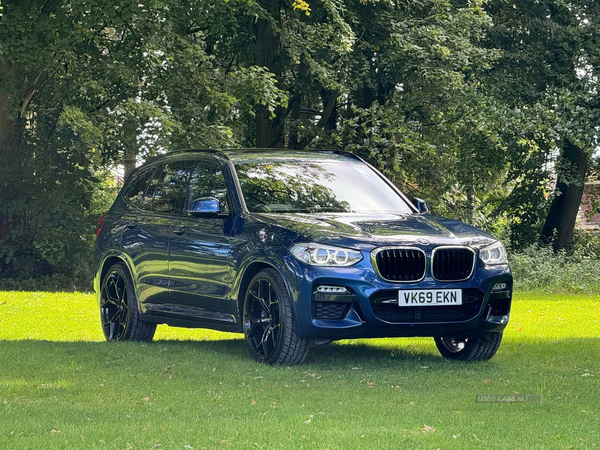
<point>493,254</point>
<point>325,255</point>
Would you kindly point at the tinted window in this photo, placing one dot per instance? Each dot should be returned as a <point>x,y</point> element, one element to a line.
<point>166,192</point>
<point>307,186</point>
<point>137,187</point>
<point>207,180</point>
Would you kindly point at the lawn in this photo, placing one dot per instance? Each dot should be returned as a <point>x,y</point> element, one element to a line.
<point>61,386</point>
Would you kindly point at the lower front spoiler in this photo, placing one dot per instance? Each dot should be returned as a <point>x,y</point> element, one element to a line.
<point>353,327</point>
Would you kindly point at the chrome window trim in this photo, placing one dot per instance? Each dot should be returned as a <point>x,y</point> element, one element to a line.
<point>453,247</point>
<point>375,251</point>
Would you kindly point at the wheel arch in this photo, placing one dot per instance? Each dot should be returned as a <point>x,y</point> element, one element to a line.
<point>247,275</point>
<point>111,259</point>
<point>248,271</point>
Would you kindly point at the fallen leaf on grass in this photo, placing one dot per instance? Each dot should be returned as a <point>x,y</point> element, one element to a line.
<point>252,402</point>
<point>427,429</point>
<point>54,431</point>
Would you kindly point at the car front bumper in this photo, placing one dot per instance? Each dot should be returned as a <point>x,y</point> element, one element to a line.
<point>360,319</point>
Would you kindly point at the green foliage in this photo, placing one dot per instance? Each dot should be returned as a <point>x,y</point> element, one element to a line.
<point>540,268</point>
<point>467,104</point>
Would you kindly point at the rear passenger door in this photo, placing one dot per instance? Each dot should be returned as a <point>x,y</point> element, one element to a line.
<point>162,201</point>
<point>201,258</point>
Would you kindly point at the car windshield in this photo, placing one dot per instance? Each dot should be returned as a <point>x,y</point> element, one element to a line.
<point>312,186</point>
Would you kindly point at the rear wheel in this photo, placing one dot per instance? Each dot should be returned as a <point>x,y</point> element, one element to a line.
<point>268,321</point>
<point>118,308</point>
<point>481,348</point>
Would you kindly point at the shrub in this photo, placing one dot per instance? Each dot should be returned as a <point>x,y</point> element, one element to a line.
<point>539,268</point>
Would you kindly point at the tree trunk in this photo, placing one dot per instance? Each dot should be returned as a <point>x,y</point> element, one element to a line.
<point>331,123</point>
<point>561,218</point>
<point>296,103</point>
<point>267,53</point>
<point>129,163</point>
<point>11,132</point>
<point>15,242</point>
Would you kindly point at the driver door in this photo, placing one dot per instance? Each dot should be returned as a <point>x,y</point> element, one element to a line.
<point>201,263</point>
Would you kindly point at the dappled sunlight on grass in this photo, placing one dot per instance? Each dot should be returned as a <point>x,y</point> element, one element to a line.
<point>200,388</point>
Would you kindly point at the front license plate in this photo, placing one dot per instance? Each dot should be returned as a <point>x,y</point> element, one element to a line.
<point>430,297</point>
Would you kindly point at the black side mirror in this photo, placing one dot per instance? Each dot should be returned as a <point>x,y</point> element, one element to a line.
<point>421,205</point>
<point>205,207</point>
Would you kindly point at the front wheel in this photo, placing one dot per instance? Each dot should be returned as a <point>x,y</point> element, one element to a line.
<point>269,326</point>
<point>480,348</point>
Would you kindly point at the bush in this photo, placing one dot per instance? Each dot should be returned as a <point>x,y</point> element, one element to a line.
<point>56,282</point>
<point>539,268</point>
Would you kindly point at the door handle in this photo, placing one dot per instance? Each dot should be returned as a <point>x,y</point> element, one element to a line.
<point>179,231</point>
<point>132,223</point>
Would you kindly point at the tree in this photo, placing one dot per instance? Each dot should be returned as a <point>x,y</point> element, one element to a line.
<point>548,73</point>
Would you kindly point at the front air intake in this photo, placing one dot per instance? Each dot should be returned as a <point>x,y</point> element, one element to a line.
<point>401,264</point>
<point>452,263</point>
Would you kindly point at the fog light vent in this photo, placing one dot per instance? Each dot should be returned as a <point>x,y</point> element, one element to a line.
<point>332,290</point>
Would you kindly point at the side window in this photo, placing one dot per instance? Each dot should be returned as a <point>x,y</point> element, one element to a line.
<point>135,192</point>
<point>166,192</point>
<point>207,180</point>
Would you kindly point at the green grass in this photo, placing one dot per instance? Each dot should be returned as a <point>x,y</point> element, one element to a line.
<point>62,387</point>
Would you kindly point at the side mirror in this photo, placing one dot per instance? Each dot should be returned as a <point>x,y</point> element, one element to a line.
<point>205,207</point>
<point>421,205</point>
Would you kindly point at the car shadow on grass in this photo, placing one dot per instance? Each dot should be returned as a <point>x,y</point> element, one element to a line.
<point>230,353</point>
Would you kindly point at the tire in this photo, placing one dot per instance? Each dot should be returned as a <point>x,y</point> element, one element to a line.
<point>469,349</point>
<point>268,321</point>
<point>119,314</point>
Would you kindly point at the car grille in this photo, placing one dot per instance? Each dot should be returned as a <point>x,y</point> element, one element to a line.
<point>401,264</point>
<point>384,305</point>
<point>452,264</point>
<point>330,310</point>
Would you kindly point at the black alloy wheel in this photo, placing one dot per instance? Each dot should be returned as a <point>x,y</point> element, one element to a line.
<point>262,322</point>
<point>119,313</point>
<point>268,321</point>
<point>477,348</point>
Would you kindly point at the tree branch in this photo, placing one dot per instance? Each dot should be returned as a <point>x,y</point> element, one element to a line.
<point>322,121</point>
<point>31,93</point>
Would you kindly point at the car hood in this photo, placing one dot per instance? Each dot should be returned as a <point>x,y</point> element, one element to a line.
<point>374,230</point>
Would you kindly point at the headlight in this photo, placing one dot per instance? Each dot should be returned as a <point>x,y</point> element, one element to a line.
<point>325,255</point>
<point>493,254</point>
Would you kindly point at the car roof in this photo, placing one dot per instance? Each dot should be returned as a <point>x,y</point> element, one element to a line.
<point>249,155</point>
<point>266,155</point>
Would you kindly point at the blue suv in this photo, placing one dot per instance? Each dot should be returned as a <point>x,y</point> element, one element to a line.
<point>294,249</point>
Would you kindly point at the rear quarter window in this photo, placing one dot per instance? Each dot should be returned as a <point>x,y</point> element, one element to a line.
<point>135,193</point>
